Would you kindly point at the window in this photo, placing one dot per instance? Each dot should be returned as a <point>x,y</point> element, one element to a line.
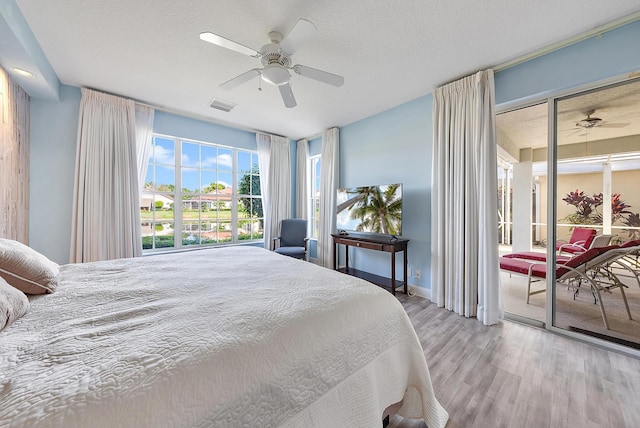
<point>314,207</point>
<point>197,193</point>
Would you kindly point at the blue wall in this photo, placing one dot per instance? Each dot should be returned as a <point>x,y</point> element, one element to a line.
<point>617,52</point>
<point>54,129</point>
<point>394,147</point>
<point>193,129</point>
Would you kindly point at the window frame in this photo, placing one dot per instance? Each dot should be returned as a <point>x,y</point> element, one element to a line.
<point>314,195</point>
<point>178,194</point>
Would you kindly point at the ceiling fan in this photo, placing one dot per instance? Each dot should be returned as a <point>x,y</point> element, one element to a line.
<point>276,60</point>
<point>592,122</point>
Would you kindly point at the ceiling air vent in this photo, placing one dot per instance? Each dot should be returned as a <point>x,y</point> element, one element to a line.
<point>223,105</point>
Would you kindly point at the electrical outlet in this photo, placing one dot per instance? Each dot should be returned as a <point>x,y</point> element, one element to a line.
<point>410,272</point>
<point>418,274</point>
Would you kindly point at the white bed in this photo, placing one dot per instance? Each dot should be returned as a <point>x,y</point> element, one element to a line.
<point>225,337</point>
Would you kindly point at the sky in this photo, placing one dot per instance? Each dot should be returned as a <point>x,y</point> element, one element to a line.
<point>201,164</point>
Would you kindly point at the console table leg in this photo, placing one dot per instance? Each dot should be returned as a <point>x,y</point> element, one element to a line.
<point>405,272</point>
<point>346,257</point>
<point>393,273</point>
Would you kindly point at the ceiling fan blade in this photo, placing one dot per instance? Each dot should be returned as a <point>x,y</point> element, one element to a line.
<point>319,75</point>
<point>614,125</point>
<point>229,44</point>
<point>239,80</point>
<point>287,96</point>
<point>300,34</point>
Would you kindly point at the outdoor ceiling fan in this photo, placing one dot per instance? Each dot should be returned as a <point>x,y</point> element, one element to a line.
<point>592,122</point>
<point>276,60</point>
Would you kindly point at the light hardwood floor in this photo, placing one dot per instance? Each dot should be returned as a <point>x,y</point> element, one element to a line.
<point>512,375</point>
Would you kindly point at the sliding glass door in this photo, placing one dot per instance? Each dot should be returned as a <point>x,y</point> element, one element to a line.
<point>565,185</point>
<point>522,138</point>
<point>597,200</point>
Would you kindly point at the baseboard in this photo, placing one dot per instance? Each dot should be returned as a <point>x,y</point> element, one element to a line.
<point>425,293</point>
<point>414,290</point>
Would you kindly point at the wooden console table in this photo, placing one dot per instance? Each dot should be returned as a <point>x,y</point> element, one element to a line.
<point>386,244</point>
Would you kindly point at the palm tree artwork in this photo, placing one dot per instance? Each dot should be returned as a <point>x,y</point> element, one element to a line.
<point>376,209</point>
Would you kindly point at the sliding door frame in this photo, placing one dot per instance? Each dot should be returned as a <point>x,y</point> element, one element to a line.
<point>551,98</point>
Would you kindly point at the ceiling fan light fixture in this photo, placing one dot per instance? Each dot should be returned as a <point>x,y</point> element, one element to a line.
<point>590,122</point>
<point>275,74</point>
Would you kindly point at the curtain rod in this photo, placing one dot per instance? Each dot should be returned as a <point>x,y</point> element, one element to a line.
<point>189,115</point>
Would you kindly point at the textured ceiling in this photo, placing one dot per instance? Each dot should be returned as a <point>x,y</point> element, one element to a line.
<point>388,52</point>
<point>618,107</point>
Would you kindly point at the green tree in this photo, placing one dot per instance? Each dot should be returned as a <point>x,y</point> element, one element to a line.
<point>379,210</point>
<point>213,187</point>
<point>167,188</point>
<point>250,185</point>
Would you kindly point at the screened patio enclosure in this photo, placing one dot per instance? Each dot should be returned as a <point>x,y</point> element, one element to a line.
<point>591,180</point>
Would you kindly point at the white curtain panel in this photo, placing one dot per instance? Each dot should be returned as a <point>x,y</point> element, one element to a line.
<point>144,130</point>
<point>329,174</point>
<point>106,207</point>
<point>275,182</point>
<point>264,155</point>
<point>302,179</point>
<point>464,218</point>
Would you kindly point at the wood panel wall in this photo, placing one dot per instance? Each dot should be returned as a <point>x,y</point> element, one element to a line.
<point>14,160</point>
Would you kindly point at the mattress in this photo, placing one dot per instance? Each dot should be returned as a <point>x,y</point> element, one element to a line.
<point>224,337</point>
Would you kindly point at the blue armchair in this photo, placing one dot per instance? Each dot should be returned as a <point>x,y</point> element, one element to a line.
<point>293,239</point>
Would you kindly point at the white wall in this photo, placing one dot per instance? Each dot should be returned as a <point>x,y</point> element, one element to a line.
<point>522,206</point>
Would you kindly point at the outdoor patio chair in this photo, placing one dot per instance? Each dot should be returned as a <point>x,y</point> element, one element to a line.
<point>579,242</point>
<point>590,267</point>
<point>577,248</point>
<point>633,258</point>
<point>598,242</point>
<point>628,262</point>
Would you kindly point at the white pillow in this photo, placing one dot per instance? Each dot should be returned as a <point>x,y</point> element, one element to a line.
<point>13,304</point>
<point>26,269</point>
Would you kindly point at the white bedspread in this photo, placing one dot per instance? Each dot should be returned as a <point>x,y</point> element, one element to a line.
<point>226,337</point>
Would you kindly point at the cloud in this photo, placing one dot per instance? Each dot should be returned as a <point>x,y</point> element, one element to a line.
<point>208,162</point>
<point>225,160</point>
<point>221,160</point>
<point>164,155</point>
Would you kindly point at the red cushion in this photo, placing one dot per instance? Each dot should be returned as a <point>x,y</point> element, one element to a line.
<point>539,270</point>
<point>572,248</point>
<point>533,255</point>
<point>630,243</point>
<point>582,235</point>
<point>583,258</point>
